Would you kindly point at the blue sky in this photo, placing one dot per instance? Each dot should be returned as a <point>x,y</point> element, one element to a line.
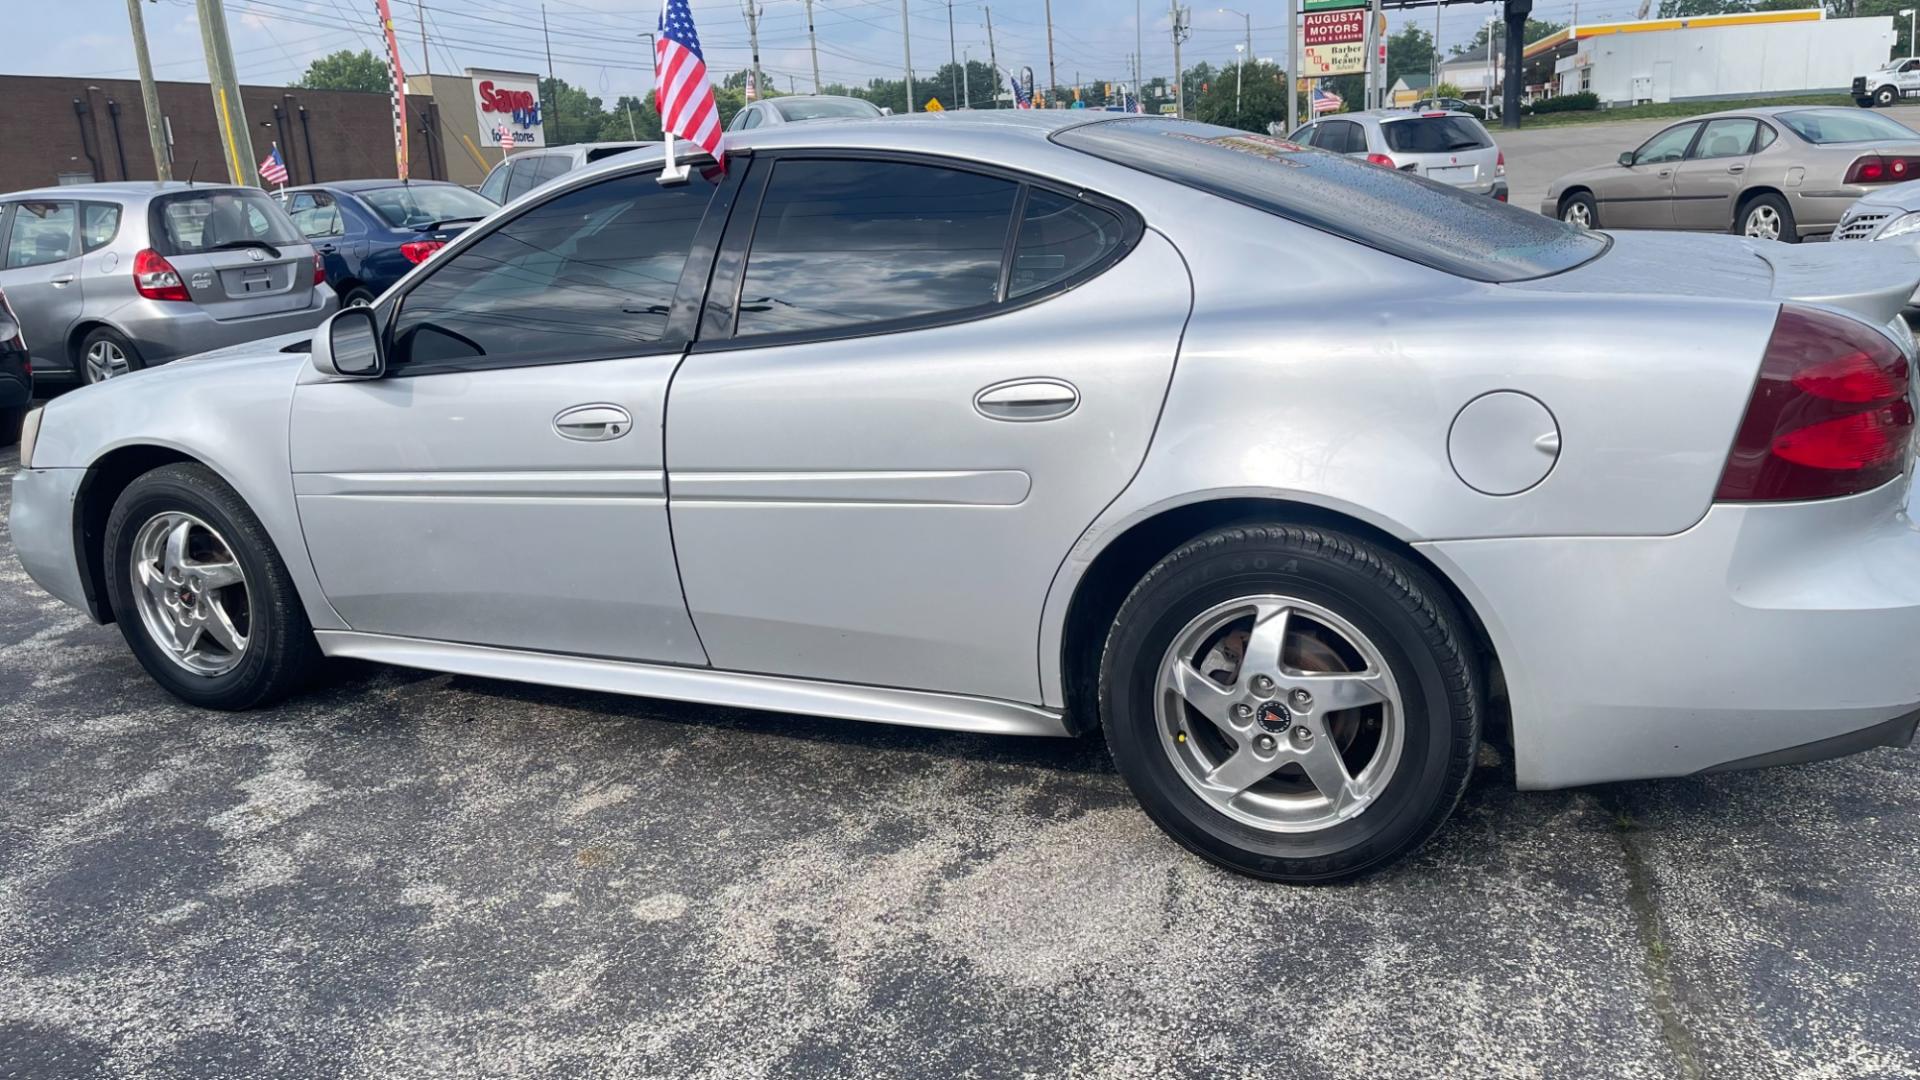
<point>595,43</point>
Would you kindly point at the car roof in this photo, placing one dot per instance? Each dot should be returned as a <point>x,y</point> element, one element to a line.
<point>372,184</point>
<point>123,189</point>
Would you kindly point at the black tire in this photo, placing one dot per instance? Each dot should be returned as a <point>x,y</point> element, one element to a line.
<point>1422,639</point>
<point>281,651</point>
<point>359,294</point>
<point>10,422</point>
<point>1583,200</point>
<point>98,334</point>
<point>1789,232</point>
<point>1886,96</point>
<point>1864,102</point>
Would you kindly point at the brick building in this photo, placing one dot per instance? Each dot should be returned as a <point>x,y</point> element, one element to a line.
<point>59,129</point>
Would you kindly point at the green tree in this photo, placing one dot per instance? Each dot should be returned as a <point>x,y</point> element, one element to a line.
<point>1262,99</point>
<point>630,118</point>
<point>569,113</point>
<point>1409,52</point>
<point>347,70</point>
<point>1535,30</point>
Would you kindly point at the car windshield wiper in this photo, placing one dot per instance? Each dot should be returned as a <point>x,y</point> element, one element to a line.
<point>235,245</point>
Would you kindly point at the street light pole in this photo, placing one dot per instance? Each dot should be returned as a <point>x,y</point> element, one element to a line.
<point>1293,65</point>
<point>1239,67</point>
<point>906,37</point>
<point>1913,23</point>
<point>1246,54</point>
<point>813,46</point>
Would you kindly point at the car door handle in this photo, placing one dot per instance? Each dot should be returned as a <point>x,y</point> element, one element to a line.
<point>1664,173</point>
<point>1027,399</point>
<point>593,423</point>
<point>1736,168</point>
<point>62,281</point>
<point>328,249</point>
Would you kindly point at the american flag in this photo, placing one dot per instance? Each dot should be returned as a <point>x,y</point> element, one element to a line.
<point>1325,100</point>
<point>1133,104</point>
<point>1022,97</point>
<point>272,169</point>
<point>685,96</point>
<point>506,139</point>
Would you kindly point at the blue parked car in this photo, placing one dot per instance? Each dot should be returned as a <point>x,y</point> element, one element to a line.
<point>371,232</point>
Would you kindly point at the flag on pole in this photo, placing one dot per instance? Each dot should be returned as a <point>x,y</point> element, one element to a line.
<point>1022,97</point>
<point>1325,101</point>
<point>506,139</point>
<point>272,169</point>
<point>687,108</point>
<point>1132,103</point>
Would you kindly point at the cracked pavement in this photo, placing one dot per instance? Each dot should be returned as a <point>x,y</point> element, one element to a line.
<point>401,874</point>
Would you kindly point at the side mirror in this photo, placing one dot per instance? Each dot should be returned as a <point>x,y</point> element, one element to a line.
<point>1627,158</point>
<point>886,110</point>
<point>348,345</point>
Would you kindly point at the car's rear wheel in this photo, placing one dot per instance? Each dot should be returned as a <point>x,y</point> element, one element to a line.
<point>1767,217</point>
<point>105,354</point>
<point>1292,703</point>
<point>358,296</point>
<point>1580,211</point>
<point>1886,96</point>
<point>200,593</point>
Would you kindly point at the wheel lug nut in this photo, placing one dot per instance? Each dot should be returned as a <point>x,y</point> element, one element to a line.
<point>1264,743</point>
<point>1301,699</point>
<point>1242,711</point>
<point>1262,684</point>
<point>1302,735</point>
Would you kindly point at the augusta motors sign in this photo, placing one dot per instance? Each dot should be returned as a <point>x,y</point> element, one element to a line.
<point>507,101</point>
<point>1333,42</point>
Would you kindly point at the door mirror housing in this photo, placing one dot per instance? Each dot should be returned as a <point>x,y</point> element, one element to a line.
<point>1626,158</point>
<point>348,345</point>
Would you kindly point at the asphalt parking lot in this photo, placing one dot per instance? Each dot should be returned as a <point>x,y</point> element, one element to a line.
<point>412,875</point>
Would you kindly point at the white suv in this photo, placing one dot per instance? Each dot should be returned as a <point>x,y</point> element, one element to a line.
<point>1450,147</point>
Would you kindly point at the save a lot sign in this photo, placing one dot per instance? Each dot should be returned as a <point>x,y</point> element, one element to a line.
<point>1333,42</point>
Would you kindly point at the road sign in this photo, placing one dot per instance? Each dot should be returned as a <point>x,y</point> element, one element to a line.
<point>1333,42</point>
<point>933,105</point>
<point>1168,108</point>
<point>1332,5</point>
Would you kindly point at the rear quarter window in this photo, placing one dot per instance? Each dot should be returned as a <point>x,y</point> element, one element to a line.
<point>1470,236</point>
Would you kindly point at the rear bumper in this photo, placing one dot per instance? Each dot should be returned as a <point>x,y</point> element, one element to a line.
<point>1762,635</point>
<point>41,524</point>
<point>165,330</point>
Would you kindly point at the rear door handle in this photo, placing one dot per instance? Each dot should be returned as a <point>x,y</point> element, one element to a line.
<point>593,423</point>
<point>62,281</point>
<point>328,249</point>
<point>1736,168</point>
<point>1027,399</point>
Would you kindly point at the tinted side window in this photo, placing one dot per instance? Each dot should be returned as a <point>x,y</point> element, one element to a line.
<point>99,222</point>
<point>43,232</point>
<point>524,176</point>
<point>551,166</point>
<point>1059,237</point>
<point>841,243</point>
<point>589,275</point>
<point>495,185</point>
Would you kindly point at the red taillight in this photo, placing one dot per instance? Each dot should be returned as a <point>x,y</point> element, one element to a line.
<point>1831,414</point>
<point>419,251</point>
<point>1876,169</point>
<point>319,269</point>
<point>156,279</point>
<point>1431,115</point>
<point>1381,160</point>
<point>1500,163</point>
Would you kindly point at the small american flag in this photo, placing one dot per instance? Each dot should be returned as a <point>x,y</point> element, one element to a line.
<point>1325,101</point>
<point>1132,103</point>
<point>272,169</point>
<point>687,108</point>
<point>1022,97</point>
<point>506,140</point>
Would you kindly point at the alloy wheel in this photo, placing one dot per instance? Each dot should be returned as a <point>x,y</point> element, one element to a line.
<point>1763,223</point>
<point>191,592</point>
<point>1578,216</point>
<point>1279,713</point>
<point>104,361</point>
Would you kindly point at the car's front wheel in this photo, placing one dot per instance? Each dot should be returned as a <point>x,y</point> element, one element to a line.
<point>1580,211</point>
<point>1886,96</point>
<point>200,593</point>
<point>1292,703</point>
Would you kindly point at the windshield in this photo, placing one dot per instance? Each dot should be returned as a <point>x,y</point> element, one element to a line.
<point>417,206</point>
<point>823,110</point>
<point>1433,224</point>
<point>1434,135</point>
<point>1845,126</point>
<point>195,221</point>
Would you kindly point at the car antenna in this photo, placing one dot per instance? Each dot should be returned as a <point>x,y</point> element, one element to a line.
<point>191,170</point>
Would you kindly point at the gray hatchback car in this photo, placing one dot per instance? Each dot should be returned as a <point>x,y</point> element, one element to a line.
<point>111,278</point>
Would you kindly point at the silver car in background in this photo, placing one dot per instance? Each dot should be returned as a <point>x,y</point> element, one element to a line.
<point>796,108</point>
<point>111,278</point>
<point>1289,475</point>
<point>521,172</point>
<point>1444,146</point>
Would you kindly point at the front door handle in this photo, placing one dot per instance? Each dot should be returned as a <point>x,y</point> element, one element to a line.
<point>593,423</point>
<point>1664,173</point>
<point>1736,168</point>
<point>328,249</point>
<point>62,281</point>
<point>1027,399</point>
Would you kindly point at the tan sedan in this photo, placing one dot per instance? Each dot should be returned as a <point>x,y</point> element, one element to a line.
<point>1778,173</point>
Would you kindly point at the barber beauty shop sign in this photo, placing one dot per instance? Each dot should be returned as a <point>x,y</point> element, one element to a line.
<point>508,100</point>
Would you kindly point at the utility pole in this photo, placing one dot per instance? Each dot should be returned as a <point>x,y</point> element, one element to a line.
<point>1139,56</point>
<point>553,84</point>
<point>966,80</point>
<point>1293,64</point>
<point>1436,46</point>
<point>813,46</point>
<point>426,58</point>
<point>1180,31</point>
<point>236,141</point>
<point>993,58</point>
<point>149,94</point>
<point>952,59</point>
<point>754,11</point>
<point>906,38</point>
<point>1053,76</point>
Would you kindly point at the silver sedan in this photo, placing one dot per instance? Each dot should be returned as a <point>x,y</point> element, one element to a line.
<point>1292,477</point>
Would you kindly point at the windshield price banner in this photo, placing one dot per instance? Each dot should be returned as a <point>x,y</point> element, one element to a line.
<point>1333,42</point>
